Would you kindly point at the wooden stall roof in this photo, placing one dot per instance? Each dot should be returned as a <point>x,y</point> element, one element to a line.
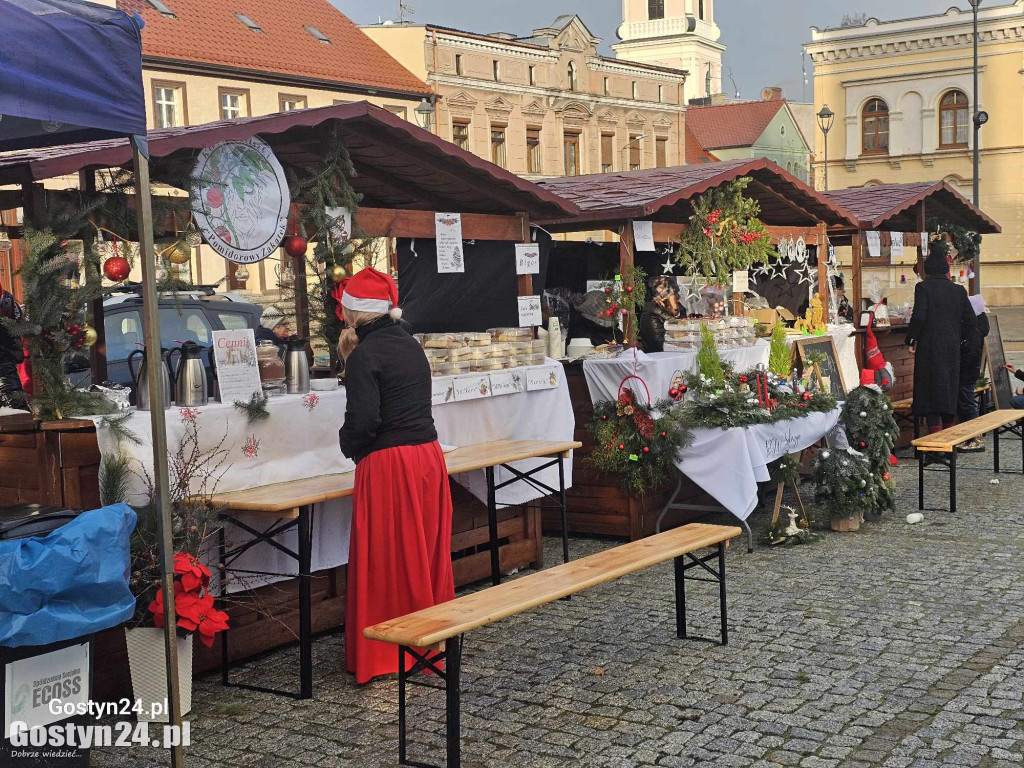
<point>399,165</point>
<point>893,207</point>
<point>663,194</point>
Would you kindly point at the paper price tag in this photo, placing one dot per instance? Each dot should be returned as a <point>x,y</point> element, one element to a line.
<point>507,383</point>
<point>442,390</point>
<point>527,259</point>
<point>546,377</point>
<point>529,311</point>
<point>643,235</point>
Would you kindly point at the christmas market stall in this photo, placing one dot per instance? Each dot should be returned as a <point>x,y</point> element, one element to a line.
<point>337,185</point>
<point>879,262</point>
<point>711,249</point>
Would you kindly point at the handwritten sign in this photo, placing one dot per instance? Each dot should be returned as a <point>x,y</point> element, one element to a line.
<point>643,235</point>
<point>529,311</point>
<point>546,377</point>
<point>442,390</point>
<point>472,387</point>
<point>448,233</point>
<point>507,383</point>
<point>781,445</point>
<point>740,281</point>
<point>238,372</point>
<point>527,259</point>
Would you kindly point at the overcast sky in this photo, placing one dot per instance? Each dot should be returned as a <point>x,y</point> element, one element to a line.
<point>763,37</point>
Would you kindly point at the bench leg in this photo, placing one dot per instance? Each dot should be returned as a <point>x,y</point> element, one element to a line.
<point>446,665</point>
<point>679,565</point>
<point>565,511</point>
<point>305,602</point>
<point>721,593</point>
<point>453,712</point>
<point>492,527</point>
<point>402,675</point>
<point>995,451</point>
<point>952,481</point>
<point>920,480</point>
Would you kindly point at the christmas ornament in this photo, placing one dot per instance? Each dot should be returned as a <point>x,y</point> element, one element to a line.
<point>180,253</point>
<point>807,396</point>
<point>117,268</point>
<point>336,273</point>
<point>241,273</point>
<point>89,336</point>
<point>887,477</point>
<point>192,236</point>
<point>295,246</point>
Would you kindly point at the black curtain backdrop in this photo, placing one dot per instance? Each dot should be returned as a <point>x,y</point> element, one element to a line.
<point>482,297</point>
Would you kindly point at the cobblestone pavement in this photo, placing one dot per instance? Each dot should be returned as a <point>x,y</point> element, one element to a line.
<point>895,646</point>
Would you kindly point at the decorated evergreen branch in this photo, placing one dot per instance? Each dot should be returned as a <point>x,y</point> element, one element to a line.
<point>785,469</point>
<point>624,296</point>
<point>843,483</point>
<point>724,234</point>
<point>872,430</point>
<point>966,242</point>
<point>709,362</point>
<point>255,409</point>
<point>780,354</point>
<point>636,442</point>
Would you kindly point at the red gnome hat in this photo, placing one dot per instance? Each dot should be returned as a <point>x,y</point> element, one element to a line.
<point>372,291</point>
<point>873,360</point>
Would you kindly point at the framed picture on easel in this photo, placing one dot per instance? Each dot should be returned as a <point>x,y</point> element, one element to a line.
<point>829,370</point>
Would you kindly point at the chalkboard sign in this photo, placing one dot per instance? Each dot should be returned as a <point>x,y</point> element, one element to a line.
<point>830,369</point>
<point>1002,386</point>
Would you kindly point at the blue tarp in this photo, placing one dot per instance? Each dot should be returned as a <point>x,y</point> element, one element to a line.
<point>70,583</point>
<point>70,71</point>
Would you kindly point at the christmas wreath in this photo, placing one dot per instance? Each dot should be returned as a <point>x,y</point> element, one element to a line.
<point>637,442</point>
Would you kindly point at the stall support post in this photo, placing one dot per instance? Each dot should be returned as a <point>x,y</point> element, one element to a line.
<point>824,289</point>
<point>626,244</point>
<point>98,351</point>
<point>301,297</point>
<point>150,310</point>
<point>525,281</point>
<point>921,227</point>
<point>857,247</point>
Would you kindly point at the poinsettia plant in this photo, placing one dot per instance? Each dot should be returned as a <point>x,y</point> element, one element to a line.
<point>193,603</point>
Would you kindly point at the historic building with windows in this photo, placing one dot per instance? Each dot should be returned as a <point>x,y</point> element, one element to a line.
<point>902,92</point>
<point>546,104</point>
<point>681,34</point>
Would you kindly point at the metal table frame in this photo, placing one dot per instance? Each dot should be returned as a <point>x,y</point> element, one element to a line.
<point>708,509</point>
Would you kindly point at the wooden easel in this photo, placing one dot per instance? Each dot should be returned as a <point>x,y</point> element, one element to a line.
<point>799,502</point>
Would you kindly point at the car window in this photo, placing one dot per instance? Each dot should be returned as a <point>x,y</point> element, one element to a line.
<point>190,325</point>
<point>233,321</point>
<point>124,333</point>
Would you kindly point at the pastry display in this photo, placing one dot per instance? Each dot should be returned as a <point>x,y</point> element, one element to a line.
<point>441,341</point>
<point>729,332</point>
<point>511,334</point>
<point>477,339</point>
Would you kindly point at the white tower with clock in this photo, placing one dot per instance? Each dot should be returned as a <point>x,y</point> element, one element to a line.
<point>681,34</point>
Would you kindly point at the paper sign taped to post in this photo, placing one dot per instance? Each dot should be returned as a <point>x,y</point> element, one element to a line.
<point>529,312</point>
<point>643,235</point>
<point>740,281</point>
<point>527,259</point>
<point>450,250</point>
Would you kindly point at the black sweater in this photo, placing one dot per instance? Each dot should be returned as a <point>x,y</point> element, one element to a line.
<point>389,392</point>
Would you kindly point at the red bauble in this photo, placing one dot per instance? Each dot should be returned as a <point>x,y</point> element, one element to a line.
<point>646,449</point>
<point>682,389</point>
<point>117,268</point>
<point>295,246</point>
<point>629,289</point>
<point>664,434</point>
<point>622,447</point>
<point>887,477</point>
<point>807,396</point>
<point>673,392</point>
<point>863,444</point>
<point>607,290</point>
<point>604,417</point>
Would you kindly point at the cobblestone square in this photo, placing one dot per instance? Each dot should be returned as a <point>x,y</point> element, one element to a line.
<point>899,646</point>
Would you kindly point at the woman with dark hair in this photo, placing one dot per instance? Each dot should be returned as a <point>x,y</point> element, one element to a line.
<point>662,306</point>
<point>943,320</point>
<point>11,354</point>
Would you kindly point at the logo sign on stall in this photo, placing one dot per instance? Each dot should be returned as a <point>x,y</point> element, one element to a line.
<point>527,259</point>
<point>529,311</point>
<point>448,236</point>
<point>240,199</point>
<point>32,683</point>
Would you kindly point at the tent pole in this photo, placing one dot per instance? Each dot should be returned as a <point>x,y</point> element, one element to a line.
<point>151,313</point>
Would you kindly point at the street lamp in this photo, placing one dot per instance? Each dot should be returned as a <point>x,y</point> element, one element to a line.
<point>825,119</point>
<point>980,118</point>
<point>424,114</point>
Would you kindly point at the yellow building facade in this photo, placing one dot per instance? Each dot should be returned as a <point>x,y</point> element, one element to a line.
<point>902,93</point>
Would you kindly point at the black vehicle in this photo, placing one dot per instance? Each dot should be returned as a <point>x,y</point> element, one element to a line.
<point>184,317</point>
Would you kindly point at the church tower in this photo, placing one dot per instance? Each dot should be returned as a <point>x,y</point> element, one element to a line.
<point>681,34</point>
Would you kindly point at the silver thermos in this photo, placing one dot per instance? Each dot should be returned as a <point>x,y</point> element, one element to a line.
<point>296,366</point>
<point>141,380</point>
<point>190,385</point>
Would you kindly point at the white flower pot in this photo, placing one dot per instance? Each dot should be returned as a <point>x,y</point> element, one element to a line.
<point>149,672</point>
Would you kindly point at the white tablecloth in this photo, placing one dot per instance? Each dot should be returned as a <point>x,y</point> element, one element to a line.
<point>729,463</point>
<point>300,440</point>
<point>658,369</point>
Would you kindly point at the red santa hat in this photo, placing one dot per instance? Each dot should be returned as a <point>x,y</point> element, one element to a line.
<point>371,291</point>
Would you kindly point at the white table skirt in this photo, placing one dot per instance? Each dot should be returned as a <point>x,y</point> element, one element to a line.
<point>658,369</point>
<point>300,440</point>
<point>729,463</point>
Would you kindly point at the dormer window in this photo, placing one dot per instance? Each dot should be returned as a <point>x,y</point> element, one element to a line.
<point>162,9</point>
<point>252,25</point>
<point>318,34</point>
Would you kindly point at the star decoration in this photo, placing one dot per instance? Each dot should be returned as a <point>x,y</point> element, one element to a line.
<point>690,290</point>
<point>806,273</point>
<point>778,270</point>
<point>668,266</point>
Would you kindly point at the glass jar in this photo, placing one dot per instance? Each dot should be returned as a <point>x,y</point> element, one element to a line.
<point>271,364</point>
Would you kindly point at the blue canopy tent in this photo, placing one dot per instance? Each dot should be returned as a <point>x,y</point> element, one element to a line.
<point>71,71</point>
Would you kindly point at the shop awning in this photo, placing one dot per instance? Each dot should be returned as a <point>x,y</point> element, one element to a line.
<point>663,194</point>
<point>398,164</point>
<point>69,71</point>
<point>894,207</point>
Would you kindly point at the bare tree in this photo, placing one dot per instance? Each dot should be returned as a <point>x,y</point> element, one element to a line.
<point>853,20</point>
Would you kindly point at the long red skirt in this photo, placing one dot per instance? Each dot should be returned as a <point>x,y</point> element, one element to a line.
<point>400,557</point>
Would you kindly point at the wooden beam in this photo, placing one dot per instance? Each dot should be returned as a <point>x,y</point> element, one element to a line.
<point>823,284</point>
<point>389,222</point>
<point>626,248</point>
<point>857,247</point>
<point>668,232</point>
<point>525,282</point>
<point>921,227</point>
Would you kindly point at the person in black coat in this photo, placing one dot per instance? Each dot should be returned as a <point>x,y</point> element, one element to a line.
<point>970,369</point>
<point>943,319</point>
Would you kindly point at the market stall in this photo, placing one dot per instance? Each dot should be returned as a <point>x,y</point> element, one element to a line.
<point>651,212</point>
<point>397,181</point>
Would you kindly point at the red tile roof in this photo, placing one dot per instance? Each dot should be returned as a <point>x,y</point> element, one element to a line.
<point>208,32</point>
<point>893,206</point>
<point>723,126</point>
<point>695,153</point>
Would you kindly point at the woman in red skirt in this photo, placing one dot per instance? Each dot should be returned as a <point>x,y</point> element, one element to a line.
<point>400,549</point>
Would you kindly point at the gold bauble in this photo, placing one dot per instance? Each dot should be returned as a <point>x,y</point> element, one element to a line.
<point>336,273</point>
<point>180,253</point>
<point>89,336</point>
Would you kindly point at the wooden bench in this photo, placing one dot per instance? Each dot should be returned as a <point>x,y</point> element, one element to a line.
<point>290,505</point>
<point>940,447</point>
<point>903,410</point>
<point>433,637</point>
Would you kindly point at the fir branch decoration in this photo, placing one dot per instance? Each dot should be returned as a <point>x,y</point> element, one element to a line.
<point>724,234</point>
<point>966,242</point>
<point>786,469</point>
<point>780,354</point>
<point>843,483</point>
<point>119,429</point>
<point>709,362</point>
<point>624,296</point>
<point>256,407</point>
<point>872,430</point>
<point>115,478</point>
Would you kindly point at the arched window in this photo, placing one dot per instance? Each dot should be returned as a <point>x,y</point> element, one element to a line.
<point>875,128</point>
<point>655,9</point>
<point>953,121</point>
<point>572,76</point>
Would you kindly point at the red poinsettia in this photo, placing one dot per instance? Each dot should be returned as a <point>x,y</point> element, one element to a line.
<point>194,575</point>
<point>157,606</point>
<point>197,614</point>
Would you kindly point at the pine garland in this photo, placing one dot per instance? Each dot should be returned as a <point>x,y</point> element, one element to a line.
<point>872,430</point>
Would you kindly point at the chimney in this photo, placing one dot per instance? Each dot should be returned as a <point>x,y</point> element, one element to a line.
<point>771,94</point>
